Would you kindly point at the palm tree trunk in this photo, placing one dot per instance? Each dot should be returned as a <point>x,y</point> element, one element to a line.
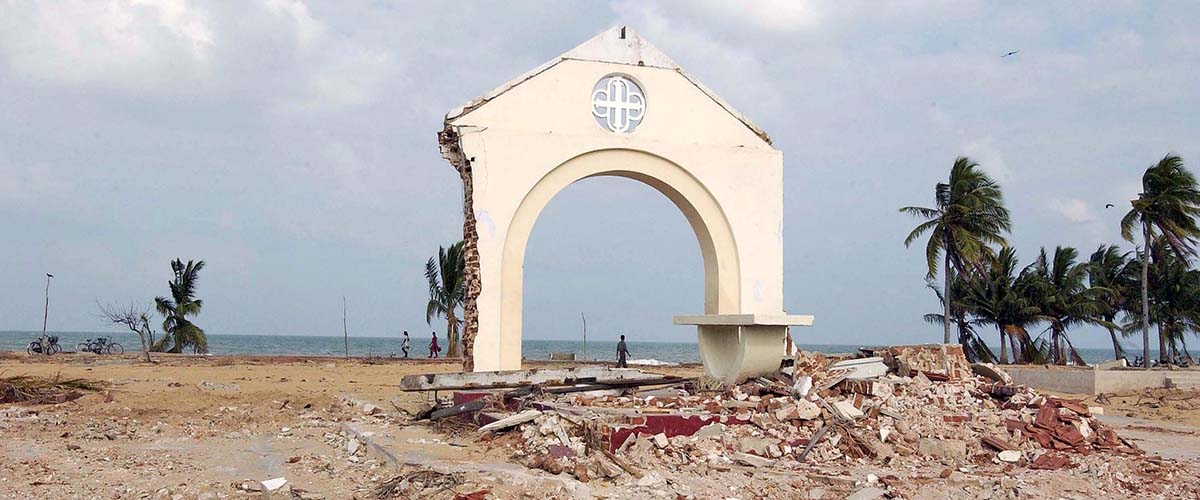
<point>451,334</point>
<point>947,298</point>
<point>1162,343</point>
<point>1118,352</point>
<point>1003,346</point>
<point>1146,295</point>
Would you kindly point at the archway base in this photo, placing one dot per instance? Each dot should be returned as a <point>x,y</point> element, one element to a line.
<point>734,347</point>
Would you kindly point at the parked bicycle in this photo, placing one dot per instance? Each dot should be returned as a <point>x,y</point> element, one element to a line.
<point>102,345</point>
<point>50,343</point>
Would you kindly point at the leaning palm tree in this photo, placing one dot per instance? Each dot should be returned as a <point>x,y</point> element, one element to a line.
<point>179,332</point>
<point>1066,300</point>
<point>446,275</point>
<point>1167,207</point>
<point>968,215</point>
<point>1113,270</point>
<point>974,348</point>
<point>1000,296</point>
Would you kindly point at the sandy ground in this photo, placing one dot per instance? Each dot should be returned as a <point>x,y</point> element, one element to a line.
<point>208,427</point>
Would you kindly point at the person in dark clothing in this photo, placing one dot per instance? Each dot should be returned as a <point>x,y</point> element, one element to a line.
<point>404,344</point>
<point>434,348</point>
<point>622,353</point>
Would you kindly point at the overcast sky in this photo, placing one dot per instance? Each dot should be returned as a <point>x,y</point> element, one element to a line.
<point>291,145</point>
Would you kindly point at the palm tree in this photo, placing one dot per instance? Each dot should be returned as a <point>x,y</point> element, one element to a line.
<point>177,329</point>
<point>1174,302</point>
<point>1115,271</point>
<point>1066,300</point>
<point>1166,208</point>
<point>446,275</point>
<point>974,348</point>
<point>1000,296</point>
<point>968,215</point>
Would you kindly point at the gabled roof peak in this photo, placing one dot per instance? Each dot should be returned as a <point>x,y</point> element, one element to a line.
<point>621,45</point>
<point>616,45</point>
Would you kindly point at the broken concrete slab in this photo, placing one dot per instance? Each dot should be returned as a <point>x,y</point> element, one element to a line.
<point>991,372</point>
<point>847,410</point>
<point>755,445</point>
<point>951,449</point>
<point>518,419</point>
<point>802,386</point>
<point>710,430</point>
<point>1009,456</point>
<point>751,460</point>
<point>862,368</point>
<point>274,489</point>
<point>660,440</point>
<point>867,494</point>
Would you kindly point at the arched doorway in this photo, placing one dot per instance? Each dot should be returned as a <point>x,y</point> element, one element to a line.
<point>718,248</point>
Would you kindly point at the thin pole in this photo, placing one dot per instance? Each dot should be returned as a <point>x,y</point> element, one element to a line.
<point>345,332</point>
<point>584,335</point>
<point>46,311</point>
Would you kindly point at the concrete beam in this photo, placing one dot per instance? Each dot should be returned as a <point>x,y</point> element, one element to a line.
<point>500,380</point>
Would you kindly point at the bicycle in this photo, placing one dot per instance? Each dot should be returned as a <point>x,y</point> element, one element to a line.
<point>51,343</point>
<point>104,345</point>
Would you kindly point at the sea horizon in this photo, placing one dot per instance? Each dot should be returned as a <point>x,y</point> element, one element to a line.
<point>532,348</point>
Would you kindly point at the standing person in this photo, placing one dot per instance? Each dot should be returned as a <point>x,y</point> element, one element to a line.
<point>622,352</point>
<point>404,344</point>
<point>434,349</point>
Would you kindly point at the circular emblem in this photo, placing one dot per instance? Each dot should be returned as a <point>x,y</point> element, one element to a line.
<point>618,104</point>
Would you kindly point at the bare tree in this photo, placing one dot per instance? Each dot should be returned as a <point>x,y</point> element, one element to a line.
<point>135,318</point>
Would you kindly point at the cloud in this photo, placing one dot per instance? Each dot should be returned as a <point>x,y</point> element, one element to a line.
<point>169,48</point>
<point>984,151</point>
<point>733,71</point>
<point>138,44</point>
<point>1074,210</point>
<point>32,186</point>
<point>981,149</point>
<point>308,29</point>
<point>774,15</point>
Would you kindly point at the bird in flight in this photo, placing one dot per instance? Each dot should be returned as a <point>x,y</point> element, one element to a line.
<point>1108,205</point>
<point>1013,53</point>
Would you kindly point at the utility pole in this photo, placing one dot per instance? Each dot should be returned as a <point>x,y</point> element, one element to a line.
<point>45,316</point>
<point>584,318</point>
<point>345,333</point>
<point>46,311</point>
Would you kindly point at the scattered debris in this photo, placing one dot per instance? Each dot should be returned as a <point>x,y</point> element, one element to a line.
<point>38,390</point>
<point>923,402</point>
<point>422,483</point>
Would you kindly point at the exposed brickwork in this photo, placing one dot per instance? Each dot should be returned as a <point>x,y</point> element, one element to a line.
<point>451,149</point>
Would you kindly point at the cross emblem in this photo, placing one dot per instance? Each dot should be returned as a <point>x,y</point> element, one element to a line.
<point>618,104</point>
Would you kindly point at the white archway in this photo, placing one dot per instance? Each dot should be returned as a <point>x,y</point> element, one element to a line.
<point>519,145</point>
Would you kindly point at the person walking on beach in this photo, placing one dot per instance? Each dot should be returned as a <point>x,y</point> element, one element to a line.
<point>434,349</point>
<point>404,344</point>
<point>622,352</point>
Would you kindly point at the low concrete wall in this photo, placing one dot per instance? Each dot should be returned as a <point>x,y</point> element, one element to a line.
<point>1090,381</point>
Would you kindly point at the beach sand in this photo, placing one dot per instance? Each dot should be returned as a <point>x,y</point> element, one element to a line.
<point>206,426</point>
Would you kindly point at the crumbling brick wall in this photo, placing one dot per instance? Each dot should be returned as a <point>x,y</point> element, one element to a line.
<point>451,149</point>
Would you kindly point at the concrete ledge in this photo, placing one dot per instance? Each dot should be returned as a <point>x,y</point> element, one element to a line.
<point>1079,380</point>
<point>744,319</point>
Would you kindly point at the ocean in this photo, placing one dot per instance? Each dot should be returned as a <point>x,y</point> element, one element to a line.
<point>670,352</point>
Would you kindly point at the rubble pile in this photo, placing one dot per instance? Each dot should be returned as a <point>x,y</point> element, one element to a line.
<point>917,403</point>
